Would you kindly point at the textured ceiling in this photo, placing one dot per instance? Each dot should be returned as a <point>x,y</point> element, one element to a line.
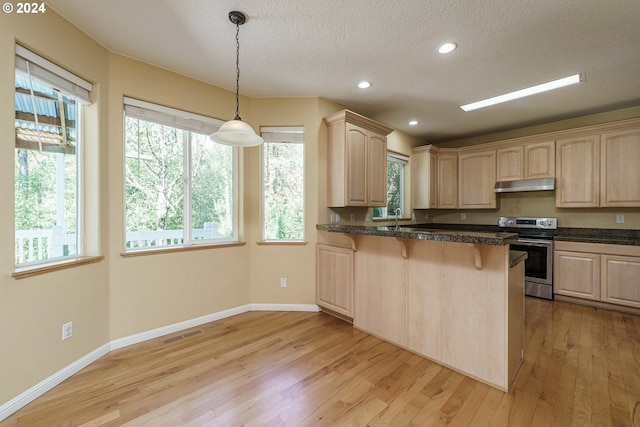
<point>298,48</point>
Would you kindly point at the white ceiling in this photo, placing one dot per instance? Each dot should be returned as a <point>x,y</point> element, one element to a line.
<point>299,48</point>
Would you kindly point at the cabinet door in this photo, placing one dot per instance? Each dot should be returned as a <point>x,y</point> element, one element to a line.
<point>377,169</point>
<point>620,169</point>
<point>356,153</point>
<point>447,181</point>
<point>509,163</point>
<point>476,179</point>
<point>620,280</point>
<point>334,279</point>
<point>423,180</point>
<point>577,274</point>
<point>578,172</point>
<point>540,160</point>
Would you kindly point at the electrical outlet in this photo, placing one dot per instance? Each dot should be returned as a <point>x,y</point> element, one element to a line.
<point>463,216</point>
<point>352,217</point>
<point>337,217</point>
<point>283,282</point>
<point>620,219</point>
<point>67,330</point>
<point>367,217</point>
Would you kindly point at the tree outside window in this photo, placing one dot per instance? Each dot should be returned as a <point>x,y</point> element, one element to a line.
<point>180,186</point>
<point>395,186</point>
<point>47,176</point>
<point>283,183</point>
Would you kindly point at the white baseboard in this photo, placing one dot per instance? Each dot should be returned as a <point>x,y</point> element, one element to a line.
<point>44,386</point>
<point>39,389</point>
<point>284,307</point>
<point>170,329</point>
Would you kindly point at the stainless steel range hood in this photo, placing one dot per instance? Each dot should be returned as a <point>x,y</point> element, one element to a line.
<point>543,184</point>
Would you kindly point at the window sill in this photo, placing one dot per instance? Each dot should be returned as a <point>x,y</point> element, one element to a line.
<point>173,249</point>
<point>281,243</point>
<point>25,272</point>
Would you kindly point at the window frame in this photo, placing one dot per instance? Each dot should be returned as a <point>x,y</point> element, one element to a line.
<point>58,79</point>
<point>282,134</point>
<point>403,160</point>
<point>188,123</point>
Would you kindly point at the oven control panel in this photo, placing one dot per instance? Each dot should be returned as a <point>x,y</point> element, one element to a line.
<point>540,223</point>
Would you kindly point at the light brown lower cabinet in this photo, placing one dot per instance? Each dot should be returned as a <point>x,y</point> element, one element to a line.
<point>334,279</point>
<point>577,274</point>
<point>598,272</point>
<point>621,274</point>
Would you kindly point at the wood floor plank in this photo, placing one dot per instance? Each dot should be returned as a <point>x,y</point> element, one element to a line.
<point>581,367</point>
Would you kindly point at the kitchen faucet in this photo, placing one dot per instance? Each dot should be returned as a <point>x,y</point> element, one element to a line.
<point>398,215</point>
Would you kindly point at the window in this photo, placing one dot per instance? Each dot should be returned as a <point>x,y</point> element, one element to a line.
<point>180,186</point>
<point>283,183</point>
<point>395,186</point>
<point>48,153</point>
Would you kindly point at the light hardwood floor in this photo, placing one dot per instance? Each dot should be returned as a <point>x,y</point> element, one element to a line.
<point>581,368</point>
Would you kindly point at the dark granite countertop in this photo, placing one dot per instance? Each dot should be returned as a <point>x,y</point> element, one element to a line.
<point>610,236</point>
<point>409,232</point>
<point>586,235</point>
<point>516,257</point>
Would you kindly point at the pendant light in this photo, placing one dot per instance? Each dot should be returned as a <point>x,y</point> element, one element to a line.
<point>236,132</point>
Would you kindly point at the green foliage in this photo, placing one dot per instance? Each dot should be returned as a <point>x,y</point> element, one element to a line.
<point>283,189</point>
<point>36,190</point>
<point>395,171</point>
<point>155,181</point>
<point>394,186</point>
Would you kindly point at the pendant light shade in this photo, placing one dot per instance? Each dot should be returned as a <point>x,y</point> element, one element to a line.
<point>236,132</point>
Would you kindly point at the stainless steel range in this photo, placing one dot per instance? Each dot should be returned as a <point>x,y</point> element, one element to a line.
<point>535,237</point>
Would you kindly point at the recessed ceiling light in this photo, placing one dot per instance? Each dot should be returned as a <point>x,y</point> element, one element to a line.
<point>447,47</point>
<point>364,84</point>
<point>413,122</point>
<point>555,84</point>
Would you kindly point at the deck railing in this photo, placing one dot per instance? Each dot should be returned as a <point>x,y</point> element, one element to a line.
<point>39,245</point>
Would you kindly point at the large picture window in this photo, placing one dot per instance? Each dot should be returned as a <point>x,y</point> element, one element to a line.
<point>180,186</point>
<point>48,147</point>
<point>283,183</point>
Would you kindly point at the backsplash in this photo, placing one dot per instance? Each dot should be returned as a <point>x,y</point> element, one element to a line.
<point>536,204</point>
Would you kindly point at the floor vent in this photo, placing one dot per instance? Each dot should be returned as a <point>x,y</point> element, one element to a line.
<point>192,333</point>
<point>179,337</point>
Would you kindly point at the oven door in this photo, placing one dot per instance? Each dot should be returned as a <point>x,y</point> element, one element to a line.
<point>538,267</point>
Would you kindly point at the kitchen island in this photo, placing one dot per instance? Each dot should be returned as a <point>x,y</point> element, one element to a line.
<point>452,296</point>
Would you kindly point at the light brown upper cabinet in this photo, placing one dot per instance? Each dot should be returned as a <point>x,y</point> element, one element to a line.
<point>527,161</point>
<point>356,160</point>
<point>423,177</point>
<point>434,177</point>
<point>599,170</point>
<point>447,179</point>
<point>476,179</point>
<point>578,172</point>
<point>620,168</point>
<point>510,166</point>
<point>540,160</point>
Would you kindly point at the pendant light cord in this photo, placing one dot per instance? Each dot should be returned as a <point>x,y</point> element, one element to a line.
<point>237,71</point>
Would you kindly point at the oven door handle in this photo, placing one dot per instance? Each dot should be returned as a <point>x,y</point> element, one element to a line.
<point>541,243</point>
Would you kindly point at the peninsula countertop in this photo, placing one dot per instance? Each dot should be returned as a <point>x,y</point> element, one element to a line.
<point>439,234</point>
